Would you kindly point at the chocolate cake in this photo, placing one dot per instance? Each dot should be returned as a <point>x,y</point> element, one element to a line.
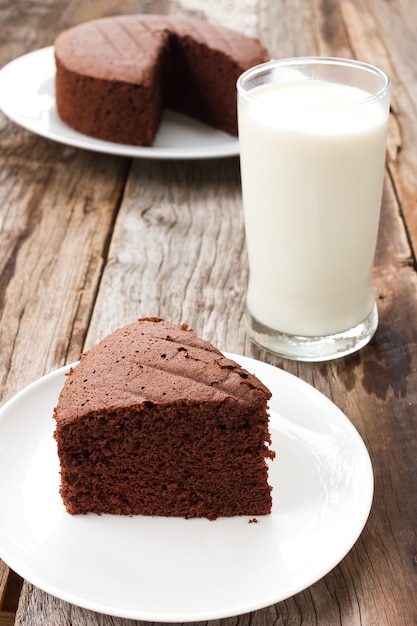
<point>156,421</point>
<point>115,75</point>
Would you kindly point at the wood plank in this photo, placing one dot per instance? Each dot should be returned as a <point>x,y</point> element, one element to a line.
<point>57,210</point>
<point>4,572</point>
<point>53,239</point>
<point>10,586</point>
<point>399,19</point>
<point>162,261</point>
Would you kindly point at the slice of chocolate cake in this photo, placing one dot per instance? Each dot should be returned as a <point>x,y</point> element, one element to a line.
<point>156,421</point>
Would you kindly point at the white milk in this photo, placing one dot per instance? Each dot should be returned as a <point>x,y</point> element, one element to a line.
<point>312,185</point>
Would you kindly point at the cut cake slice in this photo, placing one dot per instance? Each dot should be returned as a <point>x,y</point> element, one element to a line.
<point>156,421</point>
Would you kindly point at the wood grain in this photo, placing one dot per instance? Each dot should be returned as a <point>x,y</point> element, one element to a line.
<point>4,572</point>
<point>10,586</point>
<point>177,251</point>
<point>47,226</point>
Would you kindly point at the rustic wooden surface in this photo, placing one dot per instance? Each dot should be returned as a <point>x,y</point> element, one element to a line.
<point>90,242</point>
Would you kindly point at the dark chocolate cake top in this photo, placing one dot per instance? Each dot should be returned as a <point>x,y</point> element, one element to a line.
<point>124,47</point>
<point>155,361</point>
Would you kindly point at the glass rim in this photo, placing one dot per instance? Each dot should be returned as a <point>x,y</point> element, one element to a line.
<point>258,70</point>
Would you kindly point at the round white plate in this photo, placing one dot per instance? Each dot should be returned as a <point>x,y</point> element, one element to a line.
<point>27,96</point>
<point>178,570</point>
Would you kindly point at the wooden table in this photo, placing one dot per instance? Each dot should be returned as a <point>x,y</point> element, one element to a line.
<point>90,242</point>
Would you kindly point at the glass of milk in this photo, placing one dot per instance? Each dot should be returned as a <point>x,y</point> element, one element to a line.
<point>312,137</point>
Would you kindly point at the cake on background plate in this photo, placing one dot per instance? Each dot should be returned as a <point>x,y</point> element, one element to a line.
<point>156,421</point>
<point>115,75</point>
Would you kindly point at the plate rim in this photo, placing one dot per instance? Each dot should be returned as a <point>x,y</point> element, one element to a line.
<point>226,149</point>
<point>58,592</point>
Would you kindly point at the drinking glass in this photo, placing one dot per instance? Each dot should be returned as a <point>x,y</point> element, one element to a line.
<point>312,135</point>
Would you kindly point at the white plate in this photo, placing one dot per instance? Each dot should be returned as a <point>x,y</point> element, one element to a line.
<point>178,570</point>
<point>27,96</point>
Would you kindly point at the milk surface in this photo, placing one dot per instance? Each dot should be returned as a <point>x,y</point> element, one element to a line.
<point>312,158</point>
